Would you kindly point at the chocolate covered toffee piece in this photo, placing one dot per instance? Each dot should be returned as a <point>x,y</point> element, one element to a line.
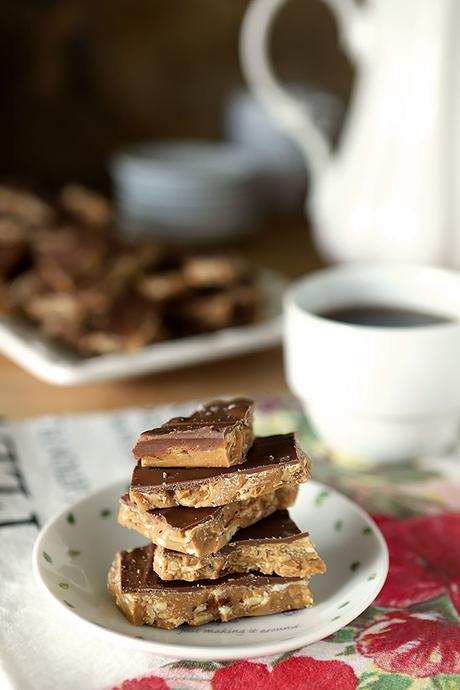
<point>201,531</point>
<point>216,271</point>
<point>86,206</point>
<point>272,462</point>
<point>145,599</point>
<point>217,435</point>
<point>275,545</point>
<point>25,206</point>
<point>213,309</point>
<point>13,246</point>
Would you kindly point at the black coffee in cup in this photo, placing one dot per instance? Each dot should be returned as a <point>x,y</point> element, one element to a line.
<point>381,316</point>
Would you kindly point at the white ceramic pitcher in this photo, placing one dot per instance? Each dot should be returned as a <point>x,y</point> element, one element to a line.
<point>391,191</point>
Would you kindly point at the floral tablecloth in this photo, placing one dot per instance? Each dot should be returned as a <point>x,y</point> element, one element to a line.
<point>410,637</point>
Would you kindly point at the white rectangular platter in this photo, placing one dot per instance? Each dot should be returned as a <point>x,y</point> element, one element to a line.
<point>24,346</point>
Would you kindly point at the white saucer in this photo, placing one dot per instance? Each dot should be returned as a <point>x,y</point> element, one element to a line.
<point>75,549</point>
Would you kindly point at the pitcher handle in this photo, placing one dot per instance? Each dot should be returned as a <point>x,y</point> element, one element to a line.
<point>290,114</point>
<point>355,26</point>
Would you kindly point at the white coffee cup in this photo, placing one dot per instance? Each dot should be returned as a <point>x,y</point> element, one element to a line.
<point>378,393</point>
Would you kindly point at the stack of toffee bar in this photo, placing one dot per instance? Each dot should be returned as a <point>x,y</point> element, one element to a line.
<point>212,500</point>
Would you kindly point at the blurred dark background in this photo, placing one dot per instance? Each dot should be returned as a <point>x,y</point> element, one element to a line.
<point>79,78</point>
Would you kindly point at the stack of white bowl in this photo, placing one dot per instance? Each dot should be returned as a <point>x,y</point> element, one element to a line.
<point>189,190</point>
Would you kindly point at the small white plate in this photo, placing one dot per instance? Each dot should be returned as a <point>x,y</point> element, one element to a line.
<point>26,347</point>
<point>74,550</point>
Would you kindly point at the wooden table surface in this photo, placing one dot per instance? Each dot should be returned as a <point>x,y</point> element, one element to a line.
<point>284,246</point>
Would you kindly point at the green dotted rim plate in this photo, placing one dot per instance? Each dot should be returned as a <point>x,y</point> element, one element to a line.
<point>74,550</point>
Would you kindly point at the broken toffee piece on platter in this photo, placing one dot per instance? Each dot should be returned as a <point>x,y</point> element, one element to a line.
<point>274,545</point>
<point>201,531</point>
<point>218,434</point>
<point>271,462</point>
<point>145,599</point>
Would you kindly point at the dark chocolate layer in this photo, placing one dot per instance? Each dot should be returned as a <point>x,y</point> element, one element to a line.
<point>266,452</point>
<point>137,575</point>
<point>208,424</point>
<point>275,527</point>
<point>179,517</point>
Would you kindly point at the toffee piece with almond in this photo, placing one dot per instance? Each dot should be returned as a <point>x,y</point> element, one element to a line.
<point>146,599</point>
<point>218,434</point>
<point>273,546</point>
<point>201,531</point>
<point>271,463</point>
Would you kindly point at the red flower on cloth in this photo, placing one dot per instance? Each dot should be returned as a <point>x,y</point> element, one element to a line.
<point>145,683</point>
<point>424,560</point>
<point>419,644</point>
<point>299,672</point>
